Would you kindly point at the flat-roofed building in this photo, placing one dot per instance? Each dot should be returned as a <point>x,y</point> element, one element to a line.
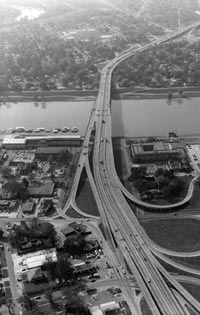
<point>40,258</point>
<point>22,142</point>
<point>68,231</point>
<point>58,140</point>
<point>13,143</point>
<point>95,310</point>
<point>43,190</point>
<point>43,152</point>
<point>109,306</point>
<point>152,152</point>
<point>83,267</point>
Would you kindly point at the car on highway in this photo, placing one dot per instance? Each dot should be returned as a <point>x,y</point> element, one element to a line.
<point>19,279</point>
<point>37,298</point>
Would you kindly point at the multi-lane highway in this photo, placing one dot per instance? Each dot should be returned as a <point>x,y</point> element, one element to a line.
<point>163,294</point>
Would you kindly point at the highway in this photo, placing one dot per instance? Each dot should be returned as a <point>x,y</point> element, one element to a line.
<point>157,285</point>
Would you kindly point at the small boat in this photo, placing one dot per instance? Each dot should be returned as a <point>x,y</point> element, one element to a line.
<point>65,129</point>
<point>74,129</point>
<point>19,129</point>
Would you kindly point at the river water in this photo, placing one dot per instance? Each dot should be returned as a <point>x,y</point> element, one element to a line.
<point>47,115</point>
<point>138,118</point>
<point>130,118</point>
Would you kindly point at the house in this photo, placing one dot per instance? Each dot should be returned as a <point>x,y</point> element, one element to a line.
<point>68,231</point>
<point>175,165</point>
<point>28,207</point>
<point>83,267</point>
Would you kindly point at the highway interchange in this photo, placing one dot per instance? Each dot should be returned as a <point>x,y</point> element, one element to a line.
<point>162,292</point>
<point>124,235</point>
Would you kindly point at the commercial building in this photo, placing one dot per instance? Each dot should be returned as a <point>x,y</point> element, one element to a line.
<point>152,152</point>
<point>40,258</point>
<point>13,143</point>
<point>43,152</point>
<point>23,142</point>
<point>66,140</point>
<point>68,231</point>
<point>110,306</point>
<point>43,190</point>
<point>95,310</point>
<point>82,267</point>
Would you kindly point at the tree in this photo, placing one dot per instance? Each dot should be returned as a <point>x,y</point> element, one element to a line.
<point>137,173</point>
<point>16,189</point>
<point>75,245</point>
<point>76,308</point>
<point>28,303</point>
<point>64,157</point>
<point>6,172</point>
<point>25,183</point>
<point>161,181</point>
<point>64,270</point>
<point>43,85</point>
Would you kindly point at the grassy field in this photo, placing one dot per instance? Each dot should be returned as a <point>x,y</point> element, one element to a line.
<point>121,167</point>
<point>173,270</point>
<point>145,308</point>
<point>181,235</point>
<point>74,214</point>
<point>85,199</point>
<point>193,289</point>
<point>191,262</point>
<point>194,202</point>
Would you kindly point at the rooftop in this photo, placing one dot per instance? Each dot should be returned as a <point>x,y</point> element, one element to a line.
<point>28,206</point>
<point>68,230</point>
<point>152,147</point>
<point>40,258</point>
<point>50,150</point>
<point>45,189</point>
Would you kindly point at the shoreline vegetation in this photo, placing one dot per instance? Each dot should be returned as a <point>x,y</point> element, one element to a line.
<point>89,95</point>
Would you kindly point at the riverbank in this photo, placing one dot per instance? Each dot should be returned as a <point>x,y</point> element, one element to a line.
<point>89,95</point>
<point>156,93</point>
<point>47,96</point>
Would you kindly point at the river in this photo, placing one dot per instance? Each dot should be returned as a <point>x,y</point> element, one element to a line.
<point>130,118</point>
<point>47,115</point>
<point>138,118</point>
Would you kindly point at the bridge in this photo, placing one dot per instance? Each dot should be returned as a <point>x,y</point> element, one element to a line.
<point>164,295</point>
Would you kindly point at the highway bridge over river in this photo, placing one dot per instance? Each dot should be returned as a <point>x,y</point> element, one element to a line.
<point>164,295</point>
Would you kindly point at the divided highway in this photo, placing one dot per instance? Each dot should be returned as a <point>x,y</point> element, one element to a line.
<point>157,285</point>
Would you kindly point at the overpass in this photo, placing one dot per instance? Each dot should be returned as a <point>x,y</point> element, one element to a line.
<point>164,295</point>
